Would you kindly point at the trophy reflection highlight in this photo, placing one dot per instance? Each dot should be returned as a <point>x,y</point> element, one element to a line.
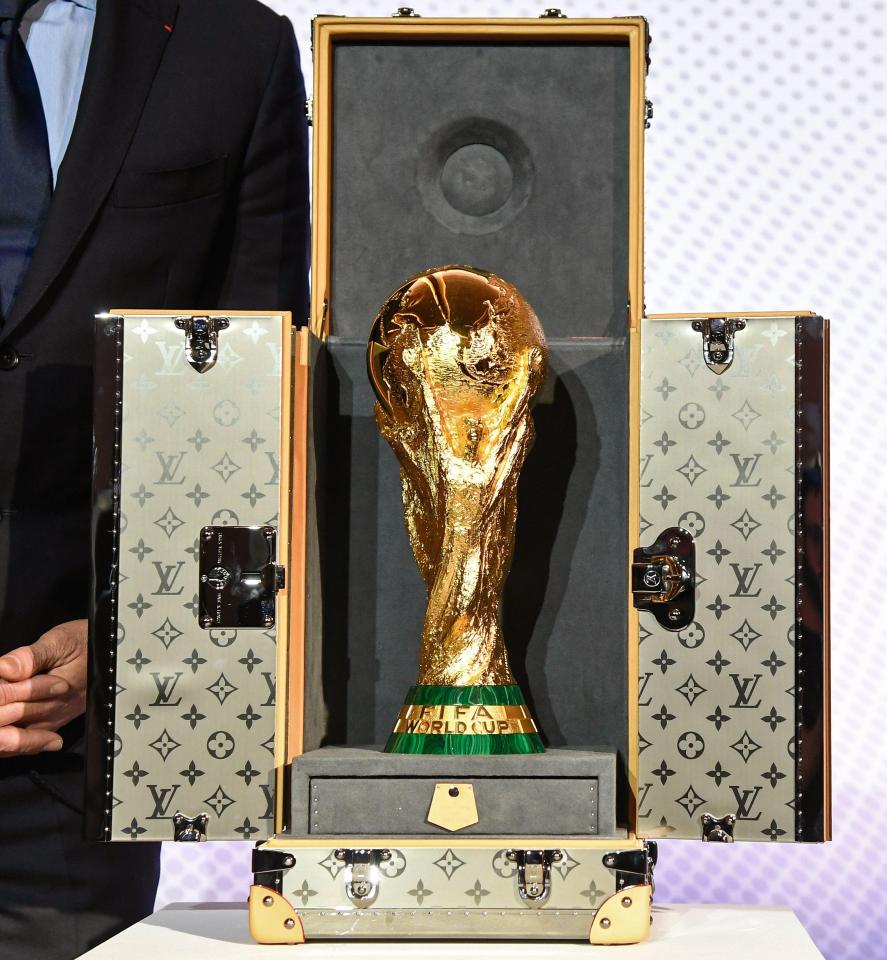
<point>455,357</point>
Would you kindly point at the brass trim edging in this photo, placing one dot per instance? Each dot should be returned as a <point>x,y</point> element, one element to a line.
<point>298,564</point>
<point>606,844</point>
<point>284,554</point>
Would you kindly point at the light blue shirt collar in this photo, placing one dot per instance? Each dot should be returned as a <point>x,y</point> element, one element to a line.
<point>57,34</point>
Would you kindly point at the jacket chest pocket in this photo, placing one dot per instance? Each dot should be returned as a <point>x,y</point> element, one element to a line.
<point>163,188</point>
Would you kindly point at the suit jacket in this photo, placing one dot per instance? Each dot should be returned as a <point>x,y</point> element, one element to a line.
<point>184,186</point>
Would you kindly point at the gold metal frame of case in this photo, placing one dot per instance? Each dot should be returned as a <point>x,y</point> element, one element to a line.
<point>629,30</point>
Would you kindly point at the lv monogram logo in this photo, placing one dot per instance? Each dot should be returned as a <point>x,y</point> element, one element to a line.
<point>169,466</point>
<point>642,799</point>
<point>745,580</point>
<point>276,356</point>
<point>163,797</point>
<point>269,802</point>
<point>172,355</point>
<point>646,460</point>
<point>275,469</point>
<point>745,469</point>
<point>644,680</point>
<point>745,801</point>
<point>165,688</point>
<point>168,574</point>
<point>269,680</point>
<point>745,690</point>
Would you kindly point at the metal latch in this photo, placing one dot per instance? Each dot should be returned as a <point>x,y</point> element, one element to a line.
<point>663,578</point>
<point>534,872</point>
<point>269,865</point>
<point>718,829</point>
<point>648,113</point>
<point>239,577</point>
<point>202,339</point>
<point>405,12</point>
<point>717,341</point>
<point>362,873</point>
<point>552,13</point>
<point>633,867</point>
<point>309,111</point>
<point>189,829</point>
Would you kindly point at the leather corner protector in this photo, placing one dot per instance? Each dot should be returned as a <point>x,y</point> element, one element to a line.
<point>272,918</point>
<point>623,917</point>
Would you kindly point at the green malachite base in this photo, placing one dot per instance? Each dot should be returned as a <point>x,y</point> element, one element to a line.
<point>487,696</point>
<point>464,743</point>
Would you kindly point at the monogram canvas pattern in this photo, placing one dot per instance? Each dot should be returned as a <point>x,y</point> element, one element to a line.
<point>717,700</point>
<point>195,708</point>
<point>434,880</point>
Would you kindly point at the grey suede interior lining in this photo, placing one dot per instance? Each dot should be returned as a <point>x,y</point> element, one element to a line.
<point>564,607</point>
<point>508,157</point>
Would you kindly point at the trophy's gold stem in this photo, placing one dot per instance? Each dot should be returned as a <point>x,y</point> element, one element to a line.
<point>462,642</point>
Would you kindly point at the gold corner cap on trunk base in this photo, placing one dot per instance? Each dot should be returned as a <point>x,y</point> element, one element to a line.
<point>624,917</point>
<point>272,918</point>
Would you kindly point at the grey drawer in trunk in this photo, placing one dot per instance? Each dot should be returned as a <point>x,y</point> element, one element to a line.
<point>505,806</point>
<point>347,791</point>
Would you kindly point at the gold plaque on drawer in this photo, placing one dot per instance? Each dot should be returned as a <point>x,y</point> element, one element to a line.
<point>453,806</point>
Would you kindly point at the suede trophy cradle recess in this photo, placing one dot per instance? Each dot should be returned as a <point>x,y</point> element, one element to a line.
<point>706,431</point>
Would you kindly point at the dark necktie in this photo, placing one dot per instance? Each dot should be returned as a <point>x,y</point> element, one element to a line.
<point>25,171</point>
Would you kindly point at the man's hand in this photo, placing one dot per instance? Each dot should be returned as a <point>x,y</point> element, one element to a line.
<point>42,687</point>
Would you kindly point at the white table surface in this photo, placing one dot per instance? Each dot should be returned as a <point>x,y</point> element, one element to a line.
<point>219,931</point>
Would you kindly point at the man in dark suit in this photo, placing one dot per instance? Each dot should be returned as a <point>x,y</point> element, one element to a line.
<point>183,183</point>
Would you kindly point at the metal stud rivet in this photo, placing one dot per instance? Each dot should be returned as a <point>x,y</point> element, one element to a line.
<point>626,901</point>
<point>289,923</point>
<point>268,901</point>
<point>605,923</point>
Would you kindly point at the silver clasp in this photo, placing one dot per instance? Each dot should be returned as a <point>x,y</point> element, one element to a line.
<point>718,829</point>
<point>717,341</point>
<point>534,872</point>
<point>189,829</point>
<point>663,578</point>
<point>362,874</point>
<point>202,339</point>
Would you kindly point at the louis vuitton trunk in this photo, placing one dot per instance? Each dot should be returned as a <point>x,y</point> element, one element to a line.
<point>667,607</point>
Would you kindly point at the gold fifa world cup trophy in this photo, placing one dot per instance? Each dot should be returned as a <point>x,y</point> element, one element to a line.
<point>455,357</point>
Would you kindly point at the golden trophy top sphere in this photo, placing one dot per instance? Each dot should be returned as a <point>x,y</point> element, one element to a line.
<point>456,356</point>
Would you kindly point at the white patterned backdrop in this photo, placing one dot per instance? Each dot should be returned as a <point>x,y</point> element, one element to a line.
<point>764,191</point>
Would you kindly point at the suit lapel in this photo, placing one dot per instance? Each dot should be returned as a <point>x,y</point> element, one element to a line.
<point>128,41</point>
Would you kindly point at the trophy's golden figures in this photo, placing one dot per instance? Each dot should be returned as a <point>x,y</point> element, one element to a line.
<point>456,356</point>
